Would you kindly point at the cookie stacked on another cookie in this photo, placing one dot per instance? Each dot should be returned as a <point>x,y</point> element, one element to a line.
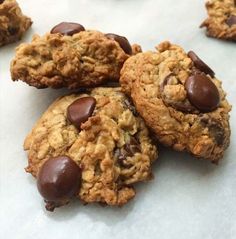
<point>180,99</point>
<point>91,145</point>
<point>13,24</point>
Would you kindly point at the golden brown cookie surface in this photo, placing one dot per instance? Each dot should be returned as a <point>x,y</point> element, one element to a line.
<point>73,58</point>
<point>112,147</point>
<point>180,99</point>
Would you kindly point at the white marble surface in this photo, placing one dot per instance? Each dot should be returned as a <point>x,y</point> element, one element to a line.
<point>188,199</point>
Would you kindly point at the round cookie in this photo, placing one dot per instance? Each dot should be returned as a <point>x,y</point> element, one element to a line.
<point>13,24</point>
<point>180,99</point>
<point>101,133</point>
<point>70,56</point>
<point>221,21</point>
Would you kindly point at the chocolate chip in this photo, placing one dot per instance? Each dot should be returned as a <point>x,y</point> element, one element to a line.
<point>215,127</point>
<point>218,133</point>
<point>67,28</point>
<point>80,110</point>
<point>123,42</point>
<point>132,147</point>
<point>198,63</point>
<point>183,106</point>
<point>231,21</point>
<point>202,92</point>
<point>1,1</point>
<point>58,179</point>
<point>121,155</point>
<point>129,149</point>
<point>130,107</point>
<point>166,81</point>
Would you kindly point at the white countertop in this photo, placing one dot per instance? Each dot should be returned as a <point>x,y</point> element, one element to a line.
<point>187,199</point>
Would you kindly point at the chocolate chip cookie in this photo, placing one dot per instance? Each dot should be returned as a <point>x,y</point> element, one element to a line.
<point>70,56</point>
<point>180,99</point>
<point>13,23</point>
<point>90,145</point>
<point>221,22</point>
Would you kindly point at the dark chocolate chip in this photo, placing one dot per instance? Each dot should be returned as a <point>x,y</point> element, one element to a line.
<point>231,21</point>
<point>166,81</point>
<point>120,154</point>
<point>1,1</point>
<point>202,92</point>
<point>58,179</point>
<point>123,42</point>
<point>67,28</point>
<point>184,106</point>
<point>198,63</point>
<point>218,133</point>
<point>131,107</point>
<point>80,110</point>
<point>216,129</point>
<point>132,147</point>
<point>129,149</point>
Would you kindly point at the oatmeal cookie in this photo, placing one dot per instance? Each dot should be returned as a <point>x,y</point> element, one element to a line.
<point>180,99</point>
<point>100,139</point>
<point>221,22</point>
<point>13,23</point>
<point>70,56</point>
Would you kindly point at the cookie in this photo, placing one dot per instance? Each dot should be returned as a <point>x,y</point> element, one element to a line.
<point>95,144</point>
<point>221,21</point>
<point>180,99</point>
<point>70,56</point>
<point>13,24</point>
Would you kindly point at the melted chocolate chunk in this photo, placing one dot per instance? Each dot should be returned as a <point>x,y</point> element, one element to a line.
<point>218,133</point>
<point>132,147</point>
<point>129,150</point>
<point>80,110</point>
<point>123,42</point>
<point>198,63</point>
<point>183,106</point>
<point>215,129</point>
<point>166,81</point>
<point>131,107</point>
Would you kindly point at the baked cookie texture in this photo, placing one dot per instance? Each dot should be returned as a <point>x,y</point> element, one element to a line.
<point>13,24</point>
<point>113,147</point>
<point>156,82</point>
<point>85,59</point>
<point>221,21</point>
